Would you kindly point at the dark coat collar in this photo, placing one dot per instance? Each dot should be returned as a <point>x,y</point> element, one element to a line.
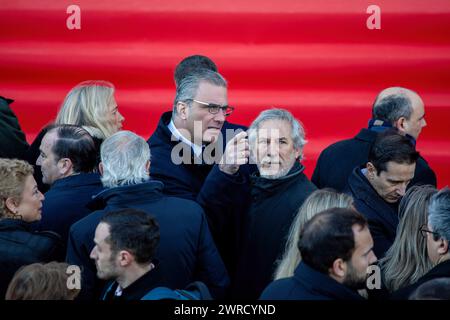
<point>14,224</point>
<point>145,192</point>
<point>137,289</point>
<point>272,185</point>
<point>362,190</point>
<point>77,180</point>
<point>322,284</point>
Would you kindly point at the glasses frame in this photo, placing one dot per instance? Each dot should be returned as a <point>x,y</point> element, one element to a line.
<point>423,231</point>
<point>212,106</point>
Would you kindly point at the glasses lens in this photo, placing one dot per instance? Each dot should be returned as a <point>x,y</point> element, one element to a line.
<point>228,110</point>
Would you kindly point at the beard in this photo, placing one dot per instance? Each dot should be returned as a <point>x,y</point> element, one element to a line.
<point>282,170</point>
<point>353,280</point>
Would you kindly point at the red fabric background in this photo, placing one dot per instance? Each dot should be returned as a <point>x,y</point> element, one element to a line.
<point>315,58</point>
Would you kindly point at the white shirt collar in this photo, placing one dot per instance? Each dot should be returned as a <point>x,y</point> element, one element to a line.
<point>197,149</point>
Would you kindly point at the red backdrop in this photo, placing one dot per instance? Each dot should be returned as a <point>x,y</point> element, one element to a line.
<point>316,58</point>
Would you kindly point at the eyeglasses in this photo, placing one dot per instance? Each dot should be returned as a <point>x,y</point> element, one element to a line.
<point>214,108</point>
<point>423,231</point>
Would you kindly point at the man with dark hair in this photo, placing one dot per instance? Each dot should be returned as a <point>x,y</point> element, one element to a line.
<point>336,250</point>
<point>191,64</point>
<point>68,160</point>
<point>394,107</point>
<point>378,186</point>
<point>13,144</point>
<point>125,245</point>
<point>437,233</point>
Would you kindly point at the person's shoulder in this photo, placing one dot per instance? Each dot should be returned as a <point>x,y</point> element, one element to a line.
<point>85,225</point>
<point>189,206</point>
<point>281,289</point>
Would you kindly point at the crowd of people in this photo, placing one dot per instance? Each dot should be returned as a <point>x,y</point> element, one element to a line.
<point>207,201</point>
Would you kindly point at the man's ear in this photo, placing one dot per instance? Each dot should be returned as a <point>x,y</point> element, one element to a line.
<point>147,167</point>
<point>443,246</point>
<point>11,204</point>
<point>298,153</point>
<point>338,269</point>
<point>401,124</point>
<point>100,168</point>
<point>65,166</point>
<point>371,170</point>
<point>125,258</point>
<point>182,110</point>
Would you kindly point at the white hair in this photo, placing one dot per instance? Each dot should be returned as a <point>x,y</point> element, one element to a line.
<point>124,158</point>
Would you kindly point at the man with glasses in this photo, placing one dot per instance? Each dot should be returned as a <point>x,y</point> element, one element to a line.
<point>190,139</point>
<point>437,233</point>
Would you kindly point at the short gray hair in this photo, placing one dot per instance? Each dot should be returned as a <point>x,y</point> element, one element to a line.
<point>297,133</point>
<point>124,156</point>
<point>392,107</point>
<point>439,213</point>
<point>187,88</point>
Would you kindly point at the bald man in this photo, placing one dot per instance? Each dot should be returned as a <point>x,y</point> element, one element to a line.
<point>394,107</point>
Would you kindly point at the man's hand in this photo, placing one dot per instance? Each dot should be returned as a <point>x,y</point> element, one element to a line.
<point>236,154</point>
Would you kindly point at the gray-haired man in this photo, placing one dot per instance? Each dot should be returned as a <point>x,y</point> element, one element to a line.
<point>186,251</point>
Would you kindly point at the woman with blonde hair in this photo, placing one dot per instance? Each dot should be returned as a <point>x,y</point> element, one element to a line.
<point>407,260</point>
<point>90,104</point>
<point>20,205</point>
<point>318,201</point>
<point>39,281</point>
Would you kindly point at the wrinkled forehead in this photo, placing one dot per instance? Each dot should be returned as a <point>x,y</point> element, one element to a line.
<point>274,128</point>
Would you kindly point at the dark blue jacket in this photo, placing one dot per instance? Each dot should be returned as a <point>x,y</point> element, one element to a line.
<point>381,215</point>
<point>201,183</point>
<point>272,206</point>
<point>441,270</point>
<point>308,284</point>
<point>65,202</point>
<point>336,163</point>
<point>181,180</point>
<point>186,251</point>
<point>20,246</point>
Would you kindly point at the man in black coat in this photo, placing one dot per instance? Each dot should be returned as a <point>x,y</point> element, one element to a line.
<point>378,186</point>
<point>189,142</point>
<point>336,249</point>
<point>67,160</point>
<point>13,143</point>
<point>270,201</point>
<point>125,244</point>
<point>394,107</point>
<point>186,252</point>
<point>437,233</point>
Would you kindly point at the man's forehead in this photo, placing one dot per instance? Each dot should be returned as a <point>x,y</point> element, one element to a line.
<point>394,169</point>
<point>101,232</point>
<point>274,127</point>
<point>49,138</point>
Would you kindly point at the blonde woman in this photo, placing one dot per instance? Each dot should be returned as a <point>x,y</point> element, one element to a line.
<point>20,205</point>
<point>318,201</point>
<point>90,104</point>
<point>407,260</point>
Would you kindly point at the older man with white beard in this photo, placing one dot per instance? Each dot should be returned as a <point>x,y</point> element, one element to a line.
<point>275,193</point>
